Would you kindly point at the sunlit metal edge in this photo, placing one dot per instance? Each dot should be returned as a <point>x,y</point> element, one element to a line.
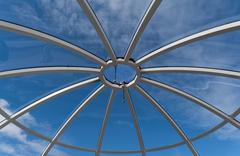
<point>189,39</point>
<point>120,61</point>
<point>41,101</point>
<point>34,70</point>
<point>169,119</point>
<point>67,123</point>
<point>141,27</point>
<point>48,38</point>
<point>34,133</point>
<point>98,27</point>
<point>194,99</point>
<point>135,120</point>
<point>105,120</point>
<point>201,70</point>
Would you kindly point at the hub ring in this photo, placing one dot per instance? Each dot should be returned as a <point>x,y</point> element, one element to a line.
<point>130,63</point>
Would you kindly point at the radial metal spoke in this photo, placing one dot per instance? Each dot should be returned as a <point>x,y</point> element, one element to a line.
<point>41,136</point>
<point>220,125</point>
<point>201,70</point>
<point>104,123</point>
<point>49,38</point>
<point>169,118</point>
<point>97,25</point>
<point>192,38</point>
<point>196,100</point>
<point>34,133</point>
<point>142,25</point>
<point>135,120</point>
<point>71,118</point>
<point>41,101</point>
<point>24,71</point>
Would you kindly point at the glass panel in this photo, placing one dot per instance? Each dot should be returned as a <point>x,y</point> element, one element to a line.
<point>156,130</point>
<point>221,51</point>
<point>216,90</point>
<point>48,117</point>
<point>121,154</point>
<point>62,18</point>
<point>120,19</point>
<point>176,19</point>
<point>15,142</point>
<point>61,151</point>
<point>177,151</point>
<point>192,118</point>
<point>18,51</point>
<point>85,129</point>
<point>223,142</point>
<point>120,133</point>
<point>19,91</point>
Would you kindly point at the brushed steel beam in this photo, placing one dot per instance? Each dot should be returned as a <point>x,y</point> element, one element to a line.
<point>98,27</point>
<point>70,119</point>
<point>135,120</point>
<point>189,39</point>
<point>168,118</point>
<point>194,99</point>
<point>49,38</point>
<point>36,70</point>
<point>44,99</point>
<point>141,27</point>
<point>104,123</point>
<point>200,70</point>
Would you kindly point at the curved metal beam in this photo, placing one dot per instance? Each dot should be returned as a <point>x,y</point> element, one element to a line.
<point>220,125</point>
<point>104,123</point>
<point>41,136</point>
<point>194,99</point>
<point>135,120</point>
<point>34,133</point>
<point>142,25</point>
<point>40,101</point>
<point>66,124</point>
<point>201,70</point>
<point>169,119</point>
<point>189,39</point>
<point>49,38</point>
<point>98,27</point>
<point>24,71</point>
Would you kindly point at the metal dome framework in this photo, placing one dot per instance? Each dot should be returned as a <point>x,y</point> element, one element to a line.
<point>134,84</point>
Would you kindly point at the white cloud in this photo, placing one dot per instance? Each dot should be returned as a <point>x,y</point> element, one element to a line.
<point>26,118</point>
<point>56,16</point>
<point>223,95</point>
<point>228,132</point>
<point>65,15</point>
<point>8,149</point>
<point>16,141</point>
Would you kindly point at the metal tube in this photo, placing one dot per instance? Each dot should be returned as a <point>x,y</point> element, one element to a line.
<point>169,119</point>
<point>41,101</point>
<point>189,39</point>
<point>70,119</point>
<point>49,38</point>
<point>196,100</point>
<point>98,27</point>
<point>141,27</point>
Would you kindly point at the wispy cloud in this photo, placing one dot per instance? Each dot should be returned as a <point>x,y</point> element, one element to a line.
<point>16,141</point>
<point>220,92</point>
<point>65,15</point>
<point>8,149</point>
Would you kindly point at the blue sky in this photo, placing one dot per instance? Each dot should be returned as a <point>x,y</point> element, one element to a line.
<point>174,19</point>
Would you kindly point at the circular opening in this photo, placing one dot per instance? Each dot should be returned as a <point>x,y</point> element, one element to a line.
<point>119,74</point>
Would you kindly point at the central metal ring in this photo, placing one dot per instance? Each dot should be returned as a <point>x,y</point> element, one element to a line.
<point>119,61</point>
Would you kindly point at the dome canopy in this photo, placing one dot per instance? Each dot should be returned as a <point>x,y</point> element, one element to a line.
<point>119,77</point>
